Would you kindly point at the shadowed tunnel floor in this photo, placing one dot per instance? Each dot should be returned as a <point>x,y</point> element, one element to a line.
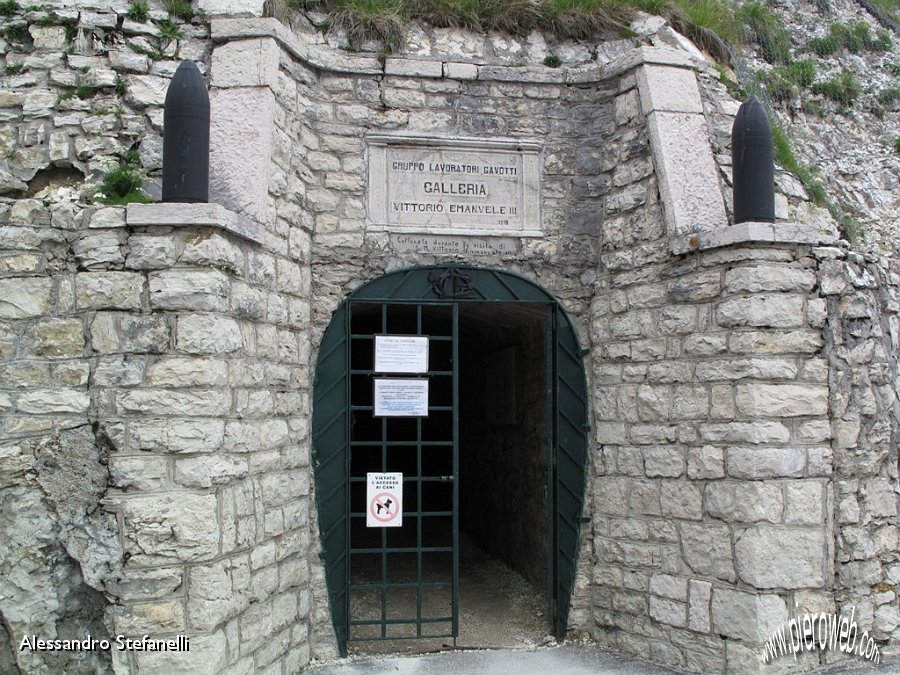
<point>498,608</point>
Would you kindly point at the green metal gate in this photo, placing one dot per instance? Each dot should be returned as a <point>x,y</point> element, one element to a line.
<point>399,583</point>
<point>408,574</point>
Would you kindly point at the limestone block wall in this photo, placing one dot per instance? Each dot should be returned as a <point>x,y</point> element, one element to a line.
<point>597,167</point>
<point>594,159</point>
<point>156,422</point>
<point>712,502</point>
<point>59,551</point>
<point>156,362</point>
<point>861,340</point>
<point>154,397</point>
<point>210,434</point>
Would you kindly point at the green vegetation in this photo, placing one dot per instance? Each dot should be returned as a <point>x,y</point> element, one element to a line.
<point>226,266</point>
<point>475,15</point>
<point>709,15</point>
<point>18,33</point>
<point>168,30</point>
<point>783,83</point>
<point>130,157</point>
<point>122,185</point>
<point>889,7</point>
<point>711,24</point>
<point>809,176</point>
<point>85,91</point>
<point>71,26</point>
<point>785,156</point>
<point>578,18</point>
<point>814,107</point>
<point>897,145</point>
<point>888,95</point>
<point>121,85</point>
<point>152,54</point>
<point>855,38</point>
<point>179,8</point>
<point>50,19</point>
<point>366,19</point>
<point>843,89</point>
<point>766,30</point>
<point>788,82</point>
<point>8,7</point>
<point>708,22</point>
<point>724,74</point>
<point>14,68</point>
<point>139,11</point>
<point>552,61</point>
<point>848,225</point>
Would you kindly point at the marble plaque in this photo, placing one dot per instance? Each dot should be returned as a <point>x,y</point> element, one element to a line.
<point>453,186</point>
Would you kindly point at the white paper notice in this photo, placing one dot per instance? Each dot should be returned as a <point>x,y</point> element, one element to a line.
<point>401,354</point>
<point>395,397</point>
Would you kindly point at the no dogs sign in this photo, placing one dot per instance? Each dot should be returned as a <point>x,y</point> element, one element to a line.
<point>384,497</point>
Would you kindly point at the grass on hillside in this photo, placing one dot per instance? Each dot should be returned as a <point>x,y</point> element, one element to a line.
<point>855,38</point>
<point>766,30</point>
<point>889,7</point>
<point>708,22</point>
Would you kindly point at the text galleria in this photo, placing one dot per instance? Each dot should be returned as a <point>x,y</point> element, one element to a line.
<point>180,643</point>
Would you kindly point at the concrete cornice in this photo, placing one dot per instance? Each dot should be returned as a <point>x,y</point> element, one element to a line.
<point>750,233</point>
<point>326,58</point>
<point>194,215</point>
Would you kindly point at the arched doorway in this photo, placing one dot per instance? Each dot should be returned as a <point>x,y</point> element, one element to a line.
<point>467,384</point>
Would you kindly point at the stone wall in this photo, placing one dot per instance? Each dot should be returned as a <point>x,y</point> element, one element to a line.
<point>862,335</point>
<point>596,159</point>
<point>155,378</point>
<point>174,382</point>
<point>62,263</point>
<point>156,362</point>
<point>712,503</point>
<point>211,439</point>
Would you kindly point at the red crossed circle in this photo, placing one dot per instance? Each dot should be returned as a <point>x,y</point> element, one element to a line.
<point>387,515</point>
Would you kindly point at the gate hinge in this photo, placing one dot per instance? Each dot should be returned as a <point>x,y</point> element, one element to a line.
<point>584,519</point>
<point>584,351</point>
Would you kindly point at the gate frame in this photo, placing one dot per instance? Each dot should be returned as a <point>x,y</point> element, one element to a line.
<point>567,436</point>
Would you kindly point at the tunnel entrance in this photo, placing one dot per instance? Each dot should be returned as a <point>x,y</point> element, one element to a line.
<point>480,423</point>
<point>504,445</point>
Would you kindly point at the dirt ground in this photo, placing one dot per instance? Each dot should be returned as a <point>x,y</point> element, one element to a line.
<point>497,608</point>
